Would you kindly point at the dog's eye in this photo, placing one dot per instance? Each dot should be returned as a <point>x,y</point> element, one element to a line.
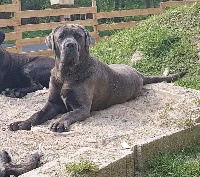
<point>78,36</point>
<point>61,36</point>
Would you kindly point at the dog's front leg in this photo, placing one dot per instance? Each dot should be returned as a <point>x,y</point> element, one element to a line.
<point>53,107</point>
<point>79,102</point>
<point>48,112</point>
<point>69,118</point>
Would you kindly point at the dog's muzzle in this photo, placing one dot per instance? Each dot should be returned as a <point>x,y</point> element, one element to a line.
<point>70,53</point>
<point>70,46</point>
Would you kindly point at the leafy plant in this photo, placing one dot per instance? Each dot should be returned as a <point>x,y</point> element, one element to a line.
<point>197,101</point>
<point>81,168</point>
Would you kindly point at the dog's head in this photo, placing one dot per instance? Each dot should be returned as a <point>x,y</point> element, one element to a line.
<point>2,37</point>
<point>69,43</point>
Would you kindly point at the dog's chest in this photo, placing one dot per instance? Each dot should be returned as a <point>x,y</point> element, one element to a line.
<point>64,93</point>
<point>64,90</point>
<point>67,93</point>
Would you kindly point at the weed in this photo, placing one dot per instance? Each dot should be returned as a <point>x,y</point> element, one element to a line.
<point>165,112</point>
<point>197,101</point>
<point>189,119</point>
<point>189,122</point>
<point>81,169</point>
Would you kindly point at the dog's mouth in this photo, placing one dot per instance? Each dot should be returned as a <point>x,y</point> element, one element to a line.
<point>69,63</point>
<point>69,55</point>
<point>69,58</point>
<point>70,49</point>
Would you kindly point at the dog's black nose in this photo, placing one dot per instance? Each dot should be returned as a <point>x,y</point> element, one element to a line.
<point>70,45</point>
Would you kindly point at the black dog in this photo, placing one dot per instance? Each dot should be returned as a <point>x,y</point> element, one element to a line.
<point>80,83</point>
<point>21,73</point>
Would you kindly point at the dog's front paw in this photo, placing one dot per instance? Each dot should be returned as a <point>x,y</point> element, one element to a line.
<point>21,125</point>
<point>60,126</point>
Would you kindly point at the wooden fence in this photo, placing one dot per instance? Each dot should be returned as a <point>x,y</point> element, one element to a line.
<point>19,28</point>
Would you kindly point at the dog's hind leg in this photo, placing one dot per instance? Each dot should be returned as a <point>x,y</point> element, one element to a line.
<point>21,92</point>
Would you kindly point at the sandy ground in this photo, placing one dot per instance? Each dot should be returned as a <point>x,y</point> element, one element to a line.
<point>160,109</point>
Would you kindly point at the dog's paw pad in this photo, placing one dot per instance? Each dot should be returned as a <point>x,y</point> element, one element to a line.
<point>13,126</point>
<point>59,127</point>
<point>21,125</point>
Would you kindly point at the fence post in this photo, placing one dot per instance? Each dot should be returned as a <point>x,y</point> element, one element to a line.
<point>161,6</point>
<point>17,18</point>
<point>95,27</point>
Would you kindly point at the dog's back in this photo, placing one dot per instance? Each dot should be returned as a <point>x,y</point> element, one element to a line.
<point>20,67</point>
<point>23,72</point>
<point>114,84</point>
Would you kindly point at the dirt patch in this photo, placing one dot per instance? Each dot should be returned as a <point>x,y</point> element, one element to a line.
<point>160,109</point>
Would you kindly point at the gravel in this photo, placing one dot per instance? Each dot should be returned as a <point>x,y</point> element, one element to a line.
<point>160,109</point>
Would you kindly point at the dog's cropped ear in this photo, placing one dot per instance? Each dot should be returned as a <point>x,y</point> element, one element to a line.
<point>2,37</point>
<point>88,38</point>
<point>49,41</point>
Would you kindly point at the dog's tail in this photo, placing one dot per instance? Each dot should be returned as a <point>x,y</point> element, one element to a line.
<point>157,79</point>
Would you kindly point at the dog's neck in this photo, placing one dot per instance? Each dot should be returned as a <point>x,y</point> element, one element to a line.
<point>78,72</point>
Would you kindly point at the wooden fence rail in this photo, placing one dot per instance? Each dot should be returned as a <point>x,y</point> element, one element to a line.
<point>19,28</point>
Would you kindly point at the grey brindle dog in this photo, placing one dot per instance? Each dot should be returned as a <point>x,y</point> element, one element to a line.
<point>80,83</point>
<point>22,73</point>
<point>7,168</point>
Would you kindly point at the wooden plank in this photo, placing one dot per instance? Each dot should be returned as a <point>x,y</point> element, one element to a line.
<point>11,36</point>
<point>94,34</point>
<point>41,40</point>
<point>126,13</point>
<point>55,12</point>
<point>8,22</point>
<point>121,25</point>
<point>103,38</point>
<point>8,8</point>
<point>175,3</point>
<point>40,52</point>
<point>48,26</point>
<point>32,41</point>
<point>11,49</point>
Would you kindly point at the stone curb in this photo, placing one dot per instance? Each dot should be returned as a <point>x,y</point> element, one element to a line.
<point>133,164</point>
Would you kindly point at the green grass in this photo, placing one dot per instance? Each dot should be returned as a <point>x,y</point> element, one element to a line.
<point>81,168</point>
<point>33,34</point>
<point>166,40</point>
<point>183,164</point>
